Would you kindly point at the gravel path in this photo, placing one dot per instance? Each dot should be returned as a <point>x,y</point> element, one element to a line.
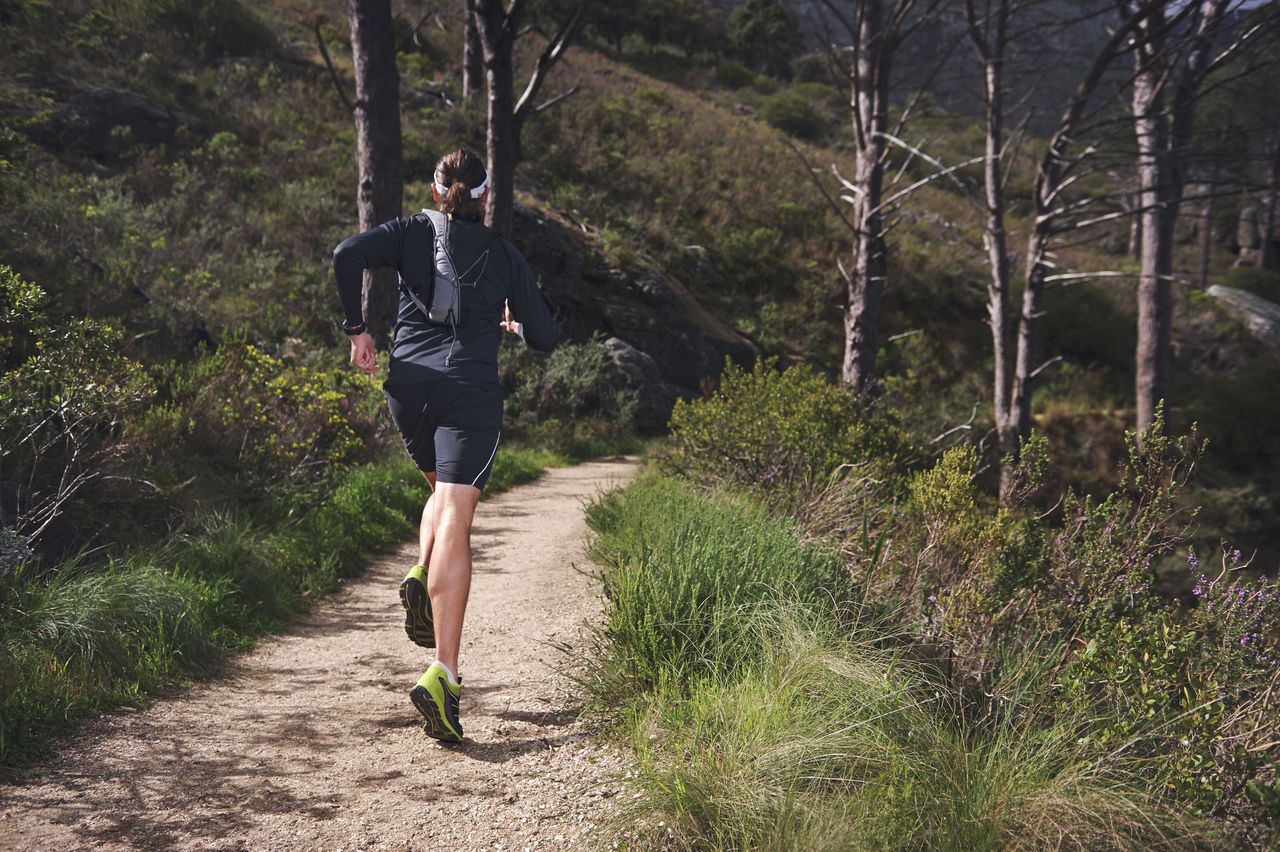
<point>311,742</point>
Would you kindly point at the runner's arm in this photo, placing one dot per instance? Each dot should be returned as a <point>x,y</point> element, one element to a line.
<point>374,249</point>
<point>528,307</point>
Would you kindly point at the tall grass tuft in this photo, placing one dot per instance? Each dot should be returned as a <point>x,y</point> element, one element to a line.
<point>684,572</point>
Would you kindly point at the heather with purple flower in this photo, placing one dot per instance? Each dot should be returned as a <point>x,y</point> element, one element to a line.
<point>1239,611</point>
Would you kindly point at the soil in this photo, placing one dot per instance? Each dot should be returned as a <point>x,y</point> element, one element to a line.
<point>310,741</point>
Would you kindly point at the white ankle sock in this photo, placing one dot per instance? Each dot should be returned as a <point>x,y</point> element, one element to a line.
<point>453,679</point>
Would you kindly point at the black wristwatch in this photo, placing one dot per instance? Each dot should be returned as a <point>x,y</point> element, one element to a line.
<point>353,330</point>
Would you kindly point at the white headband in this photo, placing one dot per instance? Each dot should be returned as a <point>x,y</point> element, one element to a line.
<point>475,193</point>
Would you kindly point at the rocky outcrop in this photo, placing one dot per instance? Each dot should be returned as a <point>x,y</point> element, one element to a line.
<point>663,342</point>
<point>655,396</point>
<point>1261,316</point>
<point>101,120</point>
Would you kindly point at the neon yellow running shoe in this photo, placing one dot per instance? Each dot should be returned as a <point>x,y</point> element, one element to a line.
<point>418,624</point>
<point>437,700</point>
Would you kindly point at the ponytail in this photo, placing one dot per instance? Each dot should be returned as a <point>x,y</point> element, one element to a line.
<point>457,173</point>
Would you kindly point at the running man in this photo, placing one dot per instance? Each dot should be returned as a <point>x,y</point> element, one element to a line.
<point>443,391</point>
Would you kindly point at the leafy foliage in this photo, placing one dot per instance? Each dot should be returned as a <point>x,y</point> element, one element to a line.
<point>778,431</point>
<point>764,35</point>
<point>271,424</point>
<point>792,114</point>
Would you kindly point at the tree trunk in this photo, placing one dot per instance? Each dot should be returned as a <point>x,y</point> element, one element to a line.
<point>1025,369</point>
<point>1155,265</point>
<point>1135,229</point>
<point>472,56</point>
<point>497,37</point>
<point>497,27</point>
<point>991,44</point>
<point>378,153</point>
<point>1267,255</point>
<point>1206,230</point>
<point>870,263</point>
<point>1164,140</point>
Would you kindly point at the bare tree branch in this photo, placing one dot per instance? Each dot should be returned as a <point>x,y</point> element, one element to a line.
<point>328,63</point>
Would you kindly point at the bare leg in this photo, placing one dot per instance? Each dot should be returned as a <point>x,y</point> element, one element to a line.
<point>449,575</point>
<point>425,532</point>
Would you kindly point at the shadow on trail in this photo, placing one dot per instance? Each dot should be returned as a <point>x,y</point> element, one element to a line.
<point>177,797</point>
<point>503,750</point>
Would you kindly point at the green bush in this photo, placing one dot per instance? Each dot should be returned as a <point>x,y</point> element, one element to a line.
<point>65,392</point>
<point>210,27</point>
<point>776,431</point>
<point>269,423</point>
<point>732,74</point>
<point>793,114</point>
<point>762,716</point>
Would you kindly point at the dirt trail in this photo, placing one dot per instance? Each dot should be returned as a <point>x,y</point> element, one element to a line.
<point>311,742</point>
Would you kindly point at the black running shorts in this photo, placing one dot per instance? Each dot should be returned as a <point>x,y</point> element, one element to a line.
<point>449,427</point>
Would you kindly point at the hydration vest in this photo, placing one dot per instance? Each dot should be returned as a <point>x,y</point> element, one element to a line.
<point>451,292</point>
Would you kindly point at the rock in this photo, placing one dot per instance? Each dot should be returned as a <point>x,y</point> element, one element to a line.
<point>86,119</point>
<point>640,373</point>
<point>688,347</point>
<point>653,287</point>
<point>1261,316</point>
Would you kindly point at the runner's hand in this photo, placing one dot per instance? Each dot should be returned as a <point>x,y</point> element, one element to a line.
<point>509,322</point>
<point>363,354</point>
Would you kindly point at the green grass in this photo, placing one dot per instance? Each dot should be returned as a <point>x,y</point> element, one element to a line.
<point>80,639</point>
<point>684,574</point>
<point>764,717</point>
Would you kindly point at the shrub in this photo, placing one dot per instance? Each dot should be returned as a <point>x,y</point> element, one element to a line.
<point>771,722</point>
<point>64,394</point>
<point>732,74</point>
<point>792,114</point>
<point>776,431</point>
<point>210,27</point>
<point>270,424</point>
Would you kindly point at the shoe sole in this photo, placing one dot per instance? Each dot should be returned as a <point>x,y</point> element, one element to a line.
<point>436,727</point>
<point>418,625</point>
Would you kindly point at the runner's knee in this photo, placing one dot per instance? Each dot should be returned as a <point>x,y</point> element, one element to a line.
<point>455,505</point>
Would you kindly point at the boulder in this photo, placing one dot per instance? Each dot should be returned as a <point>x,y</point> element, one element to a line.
<point>638,372</point>
<point>1261,316</point>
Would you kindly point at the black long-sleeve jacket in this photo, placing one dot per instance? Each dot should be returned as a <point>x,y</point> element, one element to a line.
<point>423,351</point>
